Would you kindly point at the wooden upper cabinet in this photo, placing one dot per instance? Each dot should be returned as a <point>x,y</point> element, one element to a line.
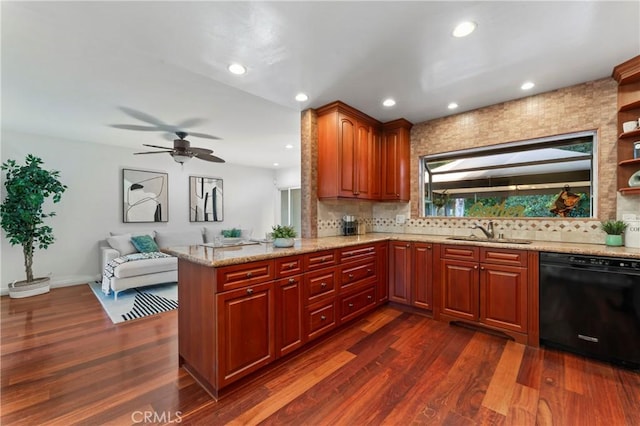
<point>359,157</point>
<point>346,153</point>
<point>395,160</point>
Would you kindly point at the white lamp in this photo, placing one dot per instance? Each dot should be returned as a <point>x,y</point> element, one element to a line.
<point>180,157</point>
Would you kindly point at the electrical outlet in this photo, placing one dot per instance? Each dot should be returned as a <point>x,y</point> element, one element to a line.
<point>400,219</point>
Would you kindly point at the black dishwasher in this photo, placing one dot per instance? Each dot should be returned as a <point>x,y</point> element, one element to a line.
<point>590,305</point>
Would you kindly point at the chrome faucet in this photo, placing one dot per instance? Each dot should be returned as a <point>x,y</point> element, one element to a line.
<point>488,231</point>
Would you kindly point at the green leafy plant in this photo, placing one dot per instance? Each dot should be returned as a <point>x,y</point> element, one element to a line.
<point>21,214</point>
<point>231,233</point>
<point>613,227</point>
<point>280,231</point>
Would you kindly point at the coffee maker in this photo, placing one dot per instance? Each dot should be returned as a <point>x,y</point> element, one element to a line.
<point>349,225</point>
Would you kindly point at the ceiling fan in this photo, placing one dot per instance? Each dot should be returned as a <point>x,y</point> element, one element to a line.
<point>182,150</point>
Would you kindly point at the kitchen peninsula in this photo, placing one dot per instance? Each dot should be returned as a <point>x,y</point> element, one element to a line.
<point>242,308</point>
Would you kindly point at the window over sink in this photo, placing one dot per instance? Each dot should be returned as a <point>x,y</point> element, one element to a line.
<point>545,177</point>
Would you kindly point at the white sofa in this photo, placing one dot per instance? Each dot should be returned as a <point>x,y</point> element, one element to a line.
<point>143,272</point>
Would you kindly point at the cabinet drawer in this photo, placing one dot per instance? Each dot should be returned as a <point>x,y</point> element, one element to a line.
<point>321,259</point>
<point>353,273</point>
<point>287,266</point>
<point>503,256</point>
<point>319,285</point>
<point>236,276</point>
<point>348,254</point>
<point>460,252</point>
<point>321,319</point>
<point>354,305</point>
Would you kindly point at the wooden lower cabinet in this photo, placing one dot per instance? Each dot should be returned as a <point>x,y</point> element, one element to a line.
<point>321,318</point>
<point>411,274</point>
<point>353,305</point>
<point>503,297</point>
<point>491,289</point>
<point>290,333</point>
<point>400,272</point>
<point>382,260</point>
<point>460,289</point>
<point>246,331</point>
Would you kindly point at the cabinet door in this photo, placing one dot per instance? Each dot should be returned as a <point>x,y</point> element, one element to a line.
<point>459,291</point>
<point>422,277</point>
<point>382,260</point>
<point>395,164</point>
<point>346,155</point>
<point>503,297</point>
<point>375,165</point>
<point>246,324</point>
<point>362,160</point>
<point>289,315</point>
<point>400,272</point>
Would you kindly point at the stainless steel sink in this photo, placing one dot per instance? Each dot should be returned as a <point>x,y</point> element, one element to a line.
<point>492,240</point>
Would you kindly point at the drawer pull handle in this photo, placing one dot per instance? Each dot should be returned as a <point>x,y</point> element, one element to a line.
<point>350,276</point>
<point>369,297</point>
<point>292,280</point>
<point>322,318</point>
<point>351,305</point>
<point>249,274</point>
<point>323,285</point>
<point>368,270</point>
<point>249,291</point>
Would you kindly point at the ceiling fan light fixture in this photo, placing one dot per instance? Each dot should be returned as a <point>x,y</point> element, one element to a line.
<point>181,158</point>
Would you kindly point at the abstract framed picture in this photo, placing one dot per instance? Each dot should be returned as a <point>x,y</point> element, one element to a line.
<point>145,196</point>
<point>205,199</point>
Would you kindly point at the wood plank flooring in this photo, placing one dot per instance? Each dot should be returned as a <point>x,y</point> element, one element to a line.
<point>64,362</point>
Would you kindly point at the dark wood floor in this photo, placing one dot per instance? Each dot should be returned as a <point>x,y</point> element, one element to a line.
<point>64,362</point>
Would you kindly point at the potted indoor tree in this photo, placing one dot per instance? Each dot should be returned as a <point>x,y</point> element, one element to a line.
<point>283,236</point>
<point>614,230</point>
<point>27,188</point>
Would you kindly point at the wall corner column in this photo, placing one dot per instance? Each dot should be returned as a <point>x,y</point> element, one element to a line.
<point>309,172</point>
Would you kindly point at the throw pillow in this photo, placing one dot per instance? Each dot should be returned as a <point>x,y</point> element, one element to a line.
<point>122,243</point>
<point>144,243</point>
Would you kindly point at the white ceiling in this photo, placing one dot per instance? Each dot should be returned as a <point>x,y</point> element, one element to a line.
<point>72,69</point>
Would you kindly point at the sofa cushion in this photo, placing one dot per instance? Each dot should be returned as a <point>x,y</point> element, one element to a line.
<point>144,243</point>
<point>180,238</point>
<point>122,243</point>
<point>146,266</point>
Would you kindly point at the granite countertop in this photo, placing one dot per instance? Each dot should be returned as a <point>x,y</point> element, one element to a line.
<point>224,256</point>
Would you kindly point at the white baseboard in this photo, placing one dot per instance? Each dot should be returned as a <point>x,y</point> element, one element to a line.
<point>57,282</point>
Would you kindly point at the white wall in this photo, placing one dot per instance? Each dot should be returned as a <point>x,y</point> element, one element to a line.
<point>92,205</point>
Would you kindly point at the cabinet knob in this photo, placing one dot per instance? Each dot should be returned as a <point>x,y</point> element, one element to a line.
<point>475,267</point>
<point>249,274</point>
<point>428,247</point>
<point>351,305</point>
<point>408,245</point>
<point>369,297</point>
<point>482,268</point>
<point>249,291</point>
<point>292,280</point>
<point>291,266</point>
<point>322,318</point>
<point>322,259</point>
<point>350,276</point>
<point>368,271</point>
<point>323,285</point>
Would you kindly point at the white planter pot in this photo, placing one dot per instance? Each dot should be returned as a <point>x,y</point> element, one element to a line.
<point>20,289</point>
<point>283,242</point>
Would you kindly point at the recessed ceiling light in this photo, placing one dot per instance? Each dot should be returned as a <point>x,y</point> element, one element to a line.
<point>452,105</point>
<point>288,146</point>
<point>463,29</point>
<point>301,97</point>
<point>237,69</point>
<point>527,85</point>
<point>276,164</point>
<point>388,102</point>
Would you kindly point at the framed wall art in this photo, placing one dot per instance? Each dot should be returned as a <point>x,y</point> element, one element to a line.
<point>145,196</point>
<point>205,199</point>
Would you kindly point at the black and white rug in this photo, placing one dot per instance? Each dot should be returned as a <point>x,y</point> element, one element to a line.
<point>138,303</point>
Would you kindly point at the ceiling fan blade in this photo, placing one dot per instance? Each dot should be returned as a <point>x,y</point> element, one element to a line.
<point>204,136</point>
<point>211,158</point>
<point>142,116</point>
<point>190,122</point>
<point>152,152</point>
<point>200,151</point>
<point>157,146</point>
<point>135,127</point>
